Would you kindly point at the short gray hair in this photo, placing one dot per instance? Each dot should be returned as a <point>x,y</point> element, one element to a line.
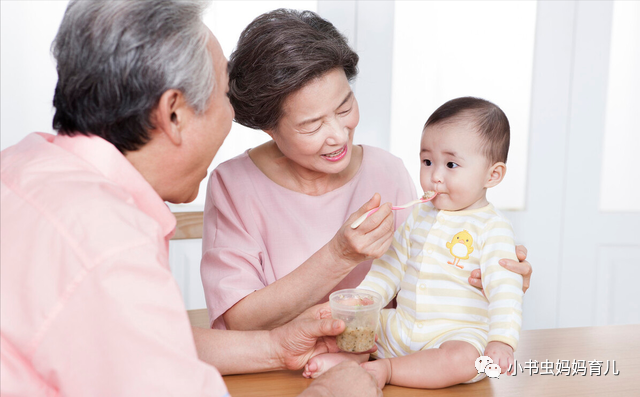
<point>115,59</point>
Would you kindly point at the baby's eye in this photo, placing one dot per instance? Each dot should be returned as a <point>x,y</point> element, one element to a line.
<point>451,164</point>
<point>427,162</point>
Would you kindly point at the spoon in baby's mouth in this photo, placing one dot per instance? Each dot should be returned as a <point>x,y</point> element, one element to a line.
<point>428,196</point>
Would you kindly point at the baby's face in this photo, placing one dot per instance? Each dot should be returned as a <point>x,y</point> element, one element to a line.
<point>452,164</point>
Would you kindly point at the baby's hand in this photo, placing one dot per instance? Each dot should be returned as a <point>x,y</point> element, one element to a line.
<point>501,354</point>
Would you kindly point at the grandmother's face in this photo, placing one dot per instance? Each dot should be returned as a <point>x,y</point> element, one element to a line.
<point>316,129</point>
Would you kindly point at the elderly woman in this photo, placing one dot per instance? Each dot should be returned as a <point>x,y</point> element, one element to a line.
<point>277,238</point>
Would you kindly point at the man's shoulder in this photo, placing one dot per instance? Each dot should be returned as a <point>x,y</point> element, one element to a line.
<point>54,186</point>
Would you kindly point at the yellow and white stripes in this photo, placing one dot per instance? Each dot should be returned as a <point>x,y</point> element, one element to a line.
<point>435,301</point>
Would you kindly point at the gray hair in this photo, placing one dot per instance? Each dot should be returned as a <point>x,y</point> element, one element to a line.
<point>115,59</point>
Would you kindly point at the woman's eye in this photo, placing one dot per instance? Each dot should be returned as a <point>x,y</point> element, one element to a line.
<point>312,131</point>
<point>345,112</point>
<point>427,162</point>
<point>451,164</point>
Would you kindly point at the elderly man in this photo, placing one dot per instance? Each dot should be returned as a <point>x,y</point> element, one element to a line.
<point>89,306</point>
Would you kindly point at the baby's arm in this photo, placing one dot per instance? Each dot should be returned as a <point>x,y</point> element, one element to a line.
<point>504,292</point>
<point>501,354</point>
<point>388,271</point>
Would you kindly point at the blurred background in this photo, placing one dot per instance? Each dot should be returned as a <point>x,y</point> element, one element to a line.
<point>564,72</point>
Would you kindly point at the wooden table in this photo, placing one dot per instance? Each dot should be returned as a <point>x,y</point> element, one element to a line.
<point>619,343</point>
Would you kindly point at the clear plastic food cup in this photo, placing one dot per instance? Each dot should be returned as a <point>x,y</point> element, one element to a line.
<point>359,309</point>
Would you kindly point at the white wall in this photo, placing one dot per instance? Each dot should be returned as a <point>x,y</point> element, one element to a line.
<point>27,69</point>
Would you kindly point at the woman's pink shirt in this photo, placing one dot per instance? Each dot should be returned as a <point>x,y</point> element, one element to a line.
<point>89,305</point>
<point>256,231</point>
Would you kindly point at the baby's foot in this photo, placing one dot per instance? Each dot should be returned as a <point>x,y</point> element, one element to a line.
<point>323,362</point>
<point>380,369</point>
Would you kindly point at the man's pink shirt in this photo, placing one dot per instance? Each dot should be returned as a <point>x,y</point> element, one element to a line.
<point>89,305</point>
<point>257,232</point>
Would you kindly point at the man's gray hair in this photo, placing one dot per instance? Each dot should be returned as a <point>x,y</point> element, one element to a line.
<point>115,59</point>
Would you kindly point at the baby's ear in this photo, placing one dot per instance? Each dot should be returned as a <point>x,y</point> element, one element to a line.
<point>495,174</point>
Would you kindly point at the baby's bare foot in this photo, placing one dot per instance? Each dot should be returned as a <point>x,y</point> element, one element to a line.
<point>323,362</point>
<point>381,369</point>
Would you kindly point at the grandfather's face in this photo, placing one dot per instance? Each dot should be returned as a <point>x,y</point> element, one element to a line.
<point>317,127</point>
<point>210,128</point>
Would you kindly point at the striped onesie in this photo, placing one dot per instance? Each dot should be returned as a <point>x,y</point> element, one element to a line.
<point>428,265</point>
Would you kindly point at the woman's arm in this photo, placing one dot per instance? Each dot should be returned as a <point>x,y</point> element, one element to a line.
<point>523,268</point>
<point>285,299</point>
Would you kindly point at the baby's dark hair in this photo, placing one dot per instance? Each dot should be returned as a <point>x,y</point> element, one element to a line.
<point>490,120</point>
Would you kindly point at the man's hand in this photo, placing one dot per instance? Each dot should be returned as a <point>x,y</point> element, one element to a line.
<point>501,354</point>
<point>296,342</point>
<point>346,379</point>
<point>311,333</point>
<point>317,312</point>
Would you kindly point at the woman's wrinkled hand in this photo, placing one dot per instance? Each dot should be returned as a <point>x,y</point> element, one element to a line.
<point>370,240</point>
<point>522,267</point>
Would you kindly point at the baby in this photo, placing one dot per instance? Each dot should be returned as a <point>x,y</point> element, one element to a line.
<point>442,324</point>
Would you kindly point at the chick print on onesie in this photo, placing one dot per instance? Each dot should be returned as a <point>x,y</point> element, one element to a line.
<point>427,268</point>
<point>461,246</point>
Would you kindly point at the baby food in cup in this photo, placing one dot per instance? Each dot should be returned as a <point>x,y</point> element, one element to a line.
<point>359,309</point>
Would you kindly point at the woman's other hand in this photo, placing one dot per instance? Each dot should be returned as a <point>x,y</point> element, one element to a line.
<point>370,240</point>
<point>523,268</point>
